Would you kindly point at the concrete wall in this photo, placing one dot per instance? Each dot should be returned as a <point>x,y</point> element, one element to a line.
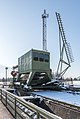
<point>66,112</point>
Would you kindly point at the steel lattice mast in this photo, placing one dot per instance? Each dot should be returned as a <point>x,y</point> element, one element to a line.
<point>44,17</point>
<point>64,48</point>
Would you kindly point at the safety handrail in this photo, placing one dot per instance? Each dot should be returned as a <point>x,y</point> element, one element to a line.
<point>21,109</point>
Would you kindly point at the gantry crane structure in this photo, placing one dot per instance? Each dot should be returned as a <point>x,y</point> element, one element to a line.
<point>34,66</point>
<point>65,49</point>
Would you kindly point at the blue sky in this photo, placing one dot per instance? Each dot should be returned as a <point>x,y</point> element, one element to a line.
<point>21,30</point>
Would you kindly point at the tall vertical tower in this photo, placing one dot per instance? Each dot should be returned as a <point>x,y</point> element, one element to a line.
<point>44,17</point>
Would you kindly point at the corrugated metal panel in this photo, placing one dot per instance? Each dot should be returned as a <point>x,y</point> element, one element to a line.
<point>34,60</point>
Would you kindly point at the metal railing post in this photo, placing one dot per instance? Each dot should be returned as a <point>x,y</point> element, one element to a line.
<point>37,115</point>
<point>6,99</point>
<point>1,95</point>
<point>15,108</point>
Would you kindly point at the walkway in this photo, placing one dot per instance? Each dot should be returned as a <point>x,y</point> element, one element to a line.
<point>4,113</point>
